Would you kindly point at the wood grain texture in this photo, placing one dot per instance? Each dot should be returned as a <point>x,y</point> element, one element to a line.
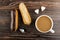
<point>52,9</point>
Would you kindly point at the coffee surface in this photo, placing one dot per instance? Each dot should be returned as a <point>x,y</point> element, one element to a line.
<point>44,23</point>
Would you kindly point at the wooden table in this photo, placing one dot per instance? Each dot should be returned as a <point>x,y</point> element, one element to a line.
<point>52,9</point>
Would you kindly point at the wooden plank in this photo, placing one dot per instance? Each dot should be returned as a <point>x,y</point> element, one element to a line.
<point>33,5</point>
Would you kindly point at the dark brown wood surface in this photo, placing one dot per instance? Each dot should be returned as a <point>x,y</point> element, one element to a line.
<point>52,9</point>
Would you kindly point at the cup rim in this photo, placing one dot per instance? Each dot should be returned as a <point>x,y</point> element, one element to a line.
<point>38,28</point>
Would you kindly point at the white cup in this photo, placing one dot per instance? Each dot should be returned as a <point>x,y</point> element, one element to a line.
<point>50,30</point>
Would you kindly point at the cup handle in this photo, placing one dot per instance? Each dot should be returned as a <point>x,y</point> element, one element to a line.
<point>52,31</point>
